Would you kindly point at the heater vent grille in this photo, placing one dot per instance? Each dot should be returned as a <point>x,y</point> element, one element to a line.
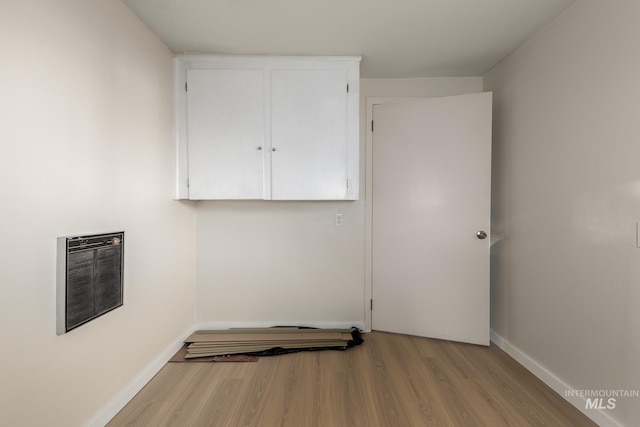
<point>89,278</point>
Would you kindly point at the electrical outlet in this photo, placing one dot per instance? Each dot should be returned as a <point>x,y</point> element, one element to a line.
<point>338,220</point>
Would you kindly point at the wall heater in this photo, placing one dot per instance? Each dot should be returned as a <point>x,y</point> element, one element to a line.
<point>89,282</point>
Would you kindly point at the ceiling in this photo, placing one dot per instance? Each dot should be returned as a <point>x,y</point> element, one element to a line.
<point>396,38</point>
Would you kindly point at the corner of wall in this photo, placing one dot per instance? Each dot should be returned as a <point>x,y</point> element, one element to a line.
<point>549,378</point>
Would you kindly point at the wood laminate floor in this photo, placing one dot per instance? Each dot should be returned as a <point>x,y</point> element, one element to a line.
<point>390,380</point>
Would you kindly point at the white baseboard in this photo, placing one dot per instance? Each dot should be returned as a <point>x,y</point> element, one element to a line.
<point>319,324</point>
<point>596,415</point>
<point>117,403</point>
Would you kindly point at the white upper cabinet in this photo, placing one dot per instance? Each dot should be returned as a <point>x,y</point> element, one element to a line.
<point>280,128</point>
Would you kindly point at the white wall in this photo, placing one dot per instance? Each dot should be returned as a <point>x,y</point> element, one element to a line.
<point>279,263</point>
<point>426,87</point>
<point>263,262</point>
<point>85,113</point>
<point>566,269</point>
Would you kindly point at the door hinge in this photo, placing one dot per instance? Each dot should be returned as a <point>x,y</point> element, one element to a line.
<point>347,87</point>
<point>348,183</point>
<point>186,86</point>
<point>371,126</point>
<point>187,182</point>
<point>371,304</point>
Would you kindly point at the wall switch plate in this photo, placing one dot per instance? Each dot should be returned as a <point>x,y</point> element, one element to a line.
<point>338,220</point>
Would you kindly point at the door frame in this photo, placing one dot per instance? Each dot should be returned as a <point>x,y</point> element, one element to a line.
<point>368,255</point>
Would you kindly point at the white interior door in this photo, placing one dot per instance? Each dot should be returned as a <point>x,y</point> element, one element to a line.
<point>431,196</point>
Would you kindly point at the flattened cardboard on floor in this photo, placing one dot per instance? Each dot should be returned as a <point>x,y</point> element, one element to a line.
<point>268,341</point>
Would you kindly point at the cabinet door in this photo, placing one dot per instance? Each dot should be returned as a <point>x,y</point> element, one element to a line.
<point>309,134</point>
<point>225,126</point>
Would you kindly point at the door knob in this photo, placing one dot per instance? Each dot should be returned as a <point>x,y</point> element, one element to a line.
<point>481,235</point>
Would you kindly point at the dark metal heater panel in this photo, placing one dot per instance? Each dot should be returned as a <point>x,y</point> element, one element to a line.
<point>89,278</point>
